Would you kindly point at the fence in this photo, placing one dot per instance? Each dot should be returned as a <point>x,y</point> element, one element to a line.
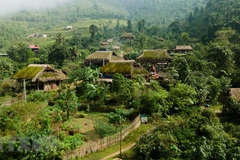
<point>94,146</point>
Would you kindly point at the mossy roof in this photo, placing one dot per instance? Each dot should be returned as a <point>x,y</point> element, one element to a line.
<point>99,55</point>
<point>113,67</point>
<point>41,73</point>
<point>104,55</point>
<point>28,73</point>
<point>51,76</point>
<point>154,55</point>
<point>123,67</point>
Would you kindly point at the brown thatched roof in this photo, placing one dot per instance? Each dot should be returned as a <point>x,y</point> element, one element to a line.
<point>154,56</point>
<point>183,48</point>
<point>235,93</point>
<point>39,72</point>
<point>104,43</point>
<point>126,67</point>
<point>127,35</point>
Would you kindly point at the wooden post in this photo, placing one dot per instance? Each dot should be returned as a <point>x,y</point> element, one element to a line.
<point>24,90</point>
<point>38,86</point>
<point>120,140</point>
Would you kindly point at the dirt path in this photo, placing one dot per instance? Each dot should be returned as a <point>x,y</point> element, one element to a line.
<point>118,152</point>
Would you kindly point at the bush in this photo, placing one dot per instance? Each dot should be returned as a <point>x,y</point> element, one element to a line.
<point>37,96</point>
<point>73,141</point>
<point>7,87</point>
<point>104,129</point>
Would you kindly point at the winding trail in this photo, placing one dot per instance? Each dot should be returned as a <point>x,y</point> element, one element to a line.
<point>118,152</point>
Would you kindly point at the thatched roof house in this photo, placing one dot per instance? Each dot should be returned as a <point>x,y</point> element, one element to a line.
<point>40,76</point>
<point>127,36</point>
<point>100,58</point>
<point>129,68</point>
<point>154,56</point>
<point>182,49</point>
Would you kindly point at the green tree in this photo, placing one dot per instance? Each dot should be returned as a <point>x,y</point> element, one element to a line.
<point>141,25</point>
<point>93,29</point>
<point>222,56</point>
<point>59,52</point>
<point>182,96</point>
<point>129,26</point>
<point>182,67</point>
<point>20,53</point>
<point>7,68</point>
<point>140,41</point>
<point>67,101</point>
<point>190,18</point>
<point>122,89</point>
<point>155,100</point>
<point>185,37</point>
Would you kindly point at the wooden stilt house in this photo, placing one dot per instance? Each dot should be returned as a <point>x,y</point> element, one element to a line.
<point>40,77</point>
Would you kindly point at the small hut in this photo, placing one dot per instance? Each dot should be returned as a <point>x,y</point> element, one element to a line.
<point>183,49</point>
<point>40,77</point>
<point>104,46</point>
<point>127,36</point>
<point>35,48</point>
<point>154,59</point>
<point>128,68</point>
<point>154,56</point>
<point>100,58</point>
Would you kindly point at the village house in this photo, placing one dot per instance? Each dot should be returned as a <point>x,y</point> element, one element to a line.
<point>42,36</point>
<point>3,54</point>
<point>127,36</point>
<point>183,49</point>
<point>104,46</point>
<point>155,61</point>
<point>159,58</point>
<point>68,28</point>
<point>40,77</point>
<point>128,68</point>
<point>35,48</point>
<point>100,58</point>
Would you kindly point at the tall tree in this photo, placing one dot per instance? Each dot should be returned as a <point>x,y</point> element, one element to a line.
<point>59,51</point>
<point>93,29</point>
<point>20,53</point>
<point>129,26</point>
<point>67,101</point>
<point>141,25</point>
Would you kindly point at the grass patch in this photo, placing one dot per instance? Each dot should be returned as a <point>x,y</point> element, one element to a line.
<point>5,100</point>
<point>128,155</point>
<point>132,137</point>
<point>217,107</point>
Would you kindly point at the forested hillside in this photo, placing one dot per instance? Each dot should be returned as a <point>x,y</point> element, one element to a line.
<point>102,63</point>
<point>203,23</point>
<point>161,12</point>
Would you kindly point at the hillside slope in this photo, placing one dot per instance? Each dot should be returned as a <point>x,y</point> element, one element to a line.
<point>161,12</point>
<point>216,15</point>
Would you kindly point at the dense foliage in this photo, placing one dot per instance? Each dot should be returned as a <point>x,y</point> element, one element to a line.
<point>175,101</point>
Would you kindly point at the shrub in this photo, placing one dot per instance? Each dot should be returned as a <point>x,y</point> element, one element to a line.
<point>37,96</point>
<point>73,141</point>
<point>7,87</point>
<point>104,129</point>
